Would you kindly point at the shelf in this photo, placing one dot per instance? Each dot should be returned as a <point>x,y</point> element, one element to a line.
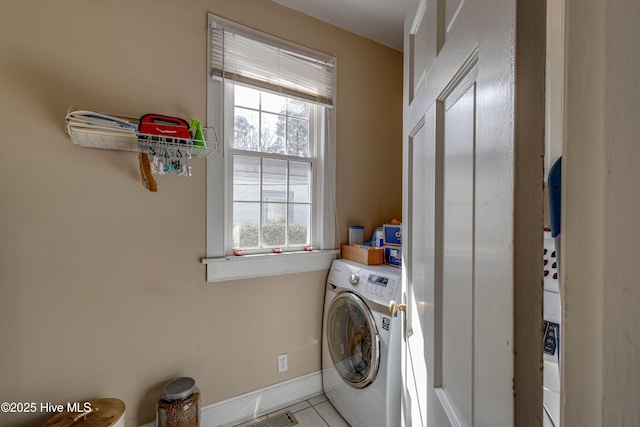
<point>124,140</point>
<point>139,142</point>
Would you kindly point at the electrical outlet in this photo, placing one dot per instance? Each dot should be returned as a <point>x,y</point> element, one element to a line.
<point>283,364</point>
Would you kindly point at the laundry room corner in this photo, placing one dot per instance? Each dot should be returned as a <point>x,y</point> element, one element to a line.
<point>102,290</point>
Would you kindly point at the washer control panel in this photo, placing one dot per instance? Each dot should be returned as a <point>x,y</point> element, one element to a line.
<point>380,285</point>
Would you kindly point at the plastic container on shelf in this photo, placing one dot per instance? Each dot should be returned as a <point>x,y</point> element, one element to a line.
<point>356,235</point>
<point>377,240</point>
<point>179,404</point>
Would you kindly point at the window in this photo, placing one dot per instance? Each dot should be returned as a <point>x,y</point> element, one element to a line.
<point>273,161</point>
<point>271,189</point>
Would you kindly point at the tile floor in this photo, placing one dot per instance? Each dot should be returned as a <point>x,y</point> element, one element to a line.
<point>314,412</point>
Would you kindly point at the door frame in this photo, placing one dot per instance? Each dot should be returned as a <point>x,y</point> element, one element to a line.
<point>530,104</point>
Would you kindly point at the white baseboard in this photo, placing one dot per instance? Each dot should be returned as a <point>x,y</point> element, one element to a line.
<point>260,402</point>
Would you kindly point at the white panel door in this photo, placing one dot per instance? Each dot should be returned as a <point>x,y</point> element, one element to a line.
<point>463,250</point>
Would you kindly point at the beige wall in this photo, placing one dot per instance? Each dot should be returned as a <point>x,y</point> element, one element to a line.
<point>102,293</point>
<point>600,215</point>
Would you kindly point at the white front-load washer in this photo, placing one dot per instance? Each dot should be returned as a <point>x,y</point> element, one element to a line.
<point>361,343</point>
<point>552,333</point>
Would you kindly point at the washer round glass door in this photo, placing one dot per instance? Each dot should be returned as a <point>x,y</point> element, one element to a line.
<point>353,340</point>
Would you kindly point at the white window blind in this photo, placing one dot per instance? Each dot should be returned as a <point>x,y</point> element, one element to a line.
<point>274,66</point>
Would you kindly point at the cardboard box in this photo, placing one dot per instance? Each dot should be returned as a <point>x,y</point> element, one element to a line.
<point>393,256</point>
<point>370,256</point>
<point>392,234</point>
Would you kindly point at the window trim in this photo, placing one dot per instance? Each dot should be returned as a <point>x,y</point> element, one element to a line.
<point>221,266</point>
<point>260,265</point>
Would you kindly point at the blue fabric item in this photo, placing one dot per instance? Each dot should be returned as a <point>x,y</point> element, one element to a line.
<point>555,182</point>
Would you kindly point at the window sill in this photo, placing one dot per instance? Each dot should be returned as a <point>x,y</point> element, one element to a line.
<point>250,266</point>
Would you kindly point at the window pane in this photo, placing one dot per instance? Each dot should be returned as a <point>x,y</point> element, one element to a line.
<point>274,180</point>
<point>245,136</point>
<point>297,108</point>
<point>246,97</point>
<point>274,103</point>
<point>299,182</point>
<point>298,137</point>
<point>274,221</point>
<point>246,222</point>
<point>299,224</point>
<point>272,133</point>
<point>272,197</point>
<point>246,178</point>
